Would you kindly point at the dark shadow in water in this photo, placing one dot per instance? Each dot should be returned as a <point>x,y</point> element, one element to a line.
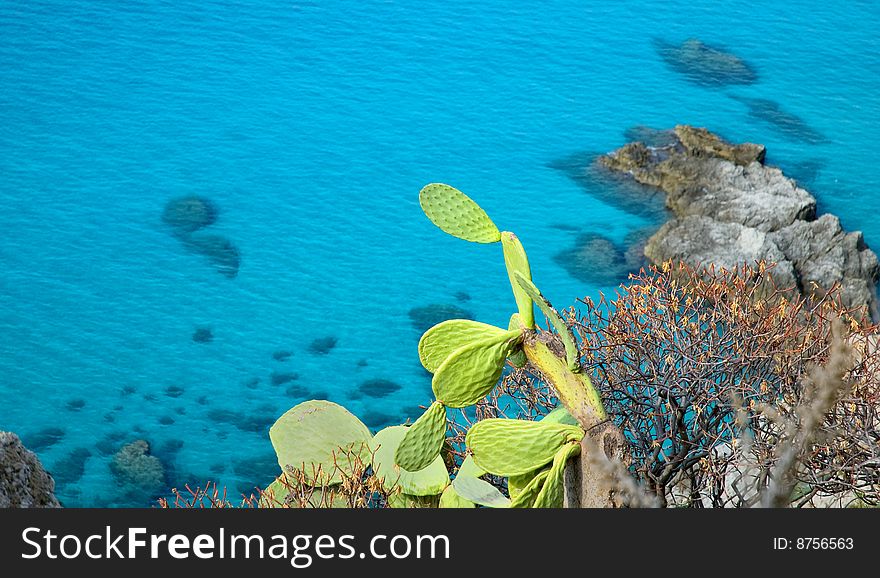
<point>596,259</point>
<point>70,469</point>
<point>282,355</point>
<point>787,124</point>
<point>378,387</point>
<point>376,420</point>
<point>42,439</point>
<point>220,252</point>
<point>705,65</point>
<point>187,216</point>
<point>257,471</point>
<point>427,316</point>
<point>323,345</point>
<point>613,188</point>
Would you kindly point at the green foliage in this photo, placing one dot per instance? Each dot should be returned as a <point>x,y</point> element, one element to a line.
<point>559,414</point>
<point>320,437</point>
<point>479,492</point>
<point>551,493</point>
<point>472,371</point>
<point>451,499</point>
<point>423,440</point>
<point>467,359</point>
<point>526,497</point>
<point>509,447</point>
<point>517,263</point>
<point>457,214</point>
<point>440,341</point>
<point>565,333</point>
<point>429,481</point>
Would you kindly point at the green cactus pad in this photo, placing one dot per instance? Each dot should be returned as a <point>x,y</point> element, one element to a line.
<point>526,497</point>
<point>517,358</point>
<point>511,447</point>
<point>471,372</point>
<point>316,436</point>
<point>457,214</point>
<point>429,481</point>
<point>275,493</point>
<point>516,484</point>
<point>559,414</point>
<point>551,493</point>
<point>451,499</point>
<point>516,262</point>
<point>470,468</point>
<point>423,439</point>
<point>479,492</point>
<point>399,500</point>
<point>572,356</point>
<point>438,342</point>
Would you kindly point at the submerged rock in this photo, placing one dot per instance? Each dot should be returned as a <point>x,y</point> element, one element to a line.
<point>377,420</point>
<point>281,377</point>
<point>187,215</point>
<point>595,259</point>
<point>323,345</point>
<point>44,439</point>
<point>787,124</point>
<point>378,387</point>
<point>299,392</point>
<point>705,65</point>
<point>423,318</point>
<point>137,470</point>
<point>24,483</point>
<point>69,469</point>
<point>174,391</point>
<point>611,187</point>
<point>203,335</point>
<point>75,404</point>
<point>282,355</point>
<point>221,253</point>
<point>727,212</point>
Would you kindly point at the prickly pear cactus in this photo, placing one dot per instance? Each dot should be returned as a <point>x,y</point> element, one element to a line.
<point>479,492</point>
<point>457,214</point>
<point>451,499</point>
<point>527,496</point>
<point>516,262</point>
<point>423,440</point>
<point>441,340</point>
<point>472,371</point>
<point>572,356</point>
<point>510,447</point>
<point>318,436</point>
<point>429,481</point>
<point>517,358</point>
<point>559,414</point>
<point>551,493</point>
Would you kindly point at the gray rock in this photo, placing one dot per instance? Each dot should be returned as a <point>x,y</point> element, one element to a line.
<point>823,254</point>
<point>24,483</point>
<point>703,241</point>
<point>729,209</point>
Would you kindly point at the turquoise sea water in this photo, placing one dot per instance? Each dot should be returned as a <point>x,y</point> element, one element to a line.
<point>312,126</point>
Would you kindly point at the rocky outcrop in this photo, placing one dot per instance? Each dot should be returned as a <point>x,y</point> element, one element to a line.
<point>729,208</point>
<point>23,481</point>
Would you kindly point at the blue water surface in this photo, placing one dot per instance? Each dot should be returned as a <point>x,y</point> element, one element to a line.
<point>312,126</point>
